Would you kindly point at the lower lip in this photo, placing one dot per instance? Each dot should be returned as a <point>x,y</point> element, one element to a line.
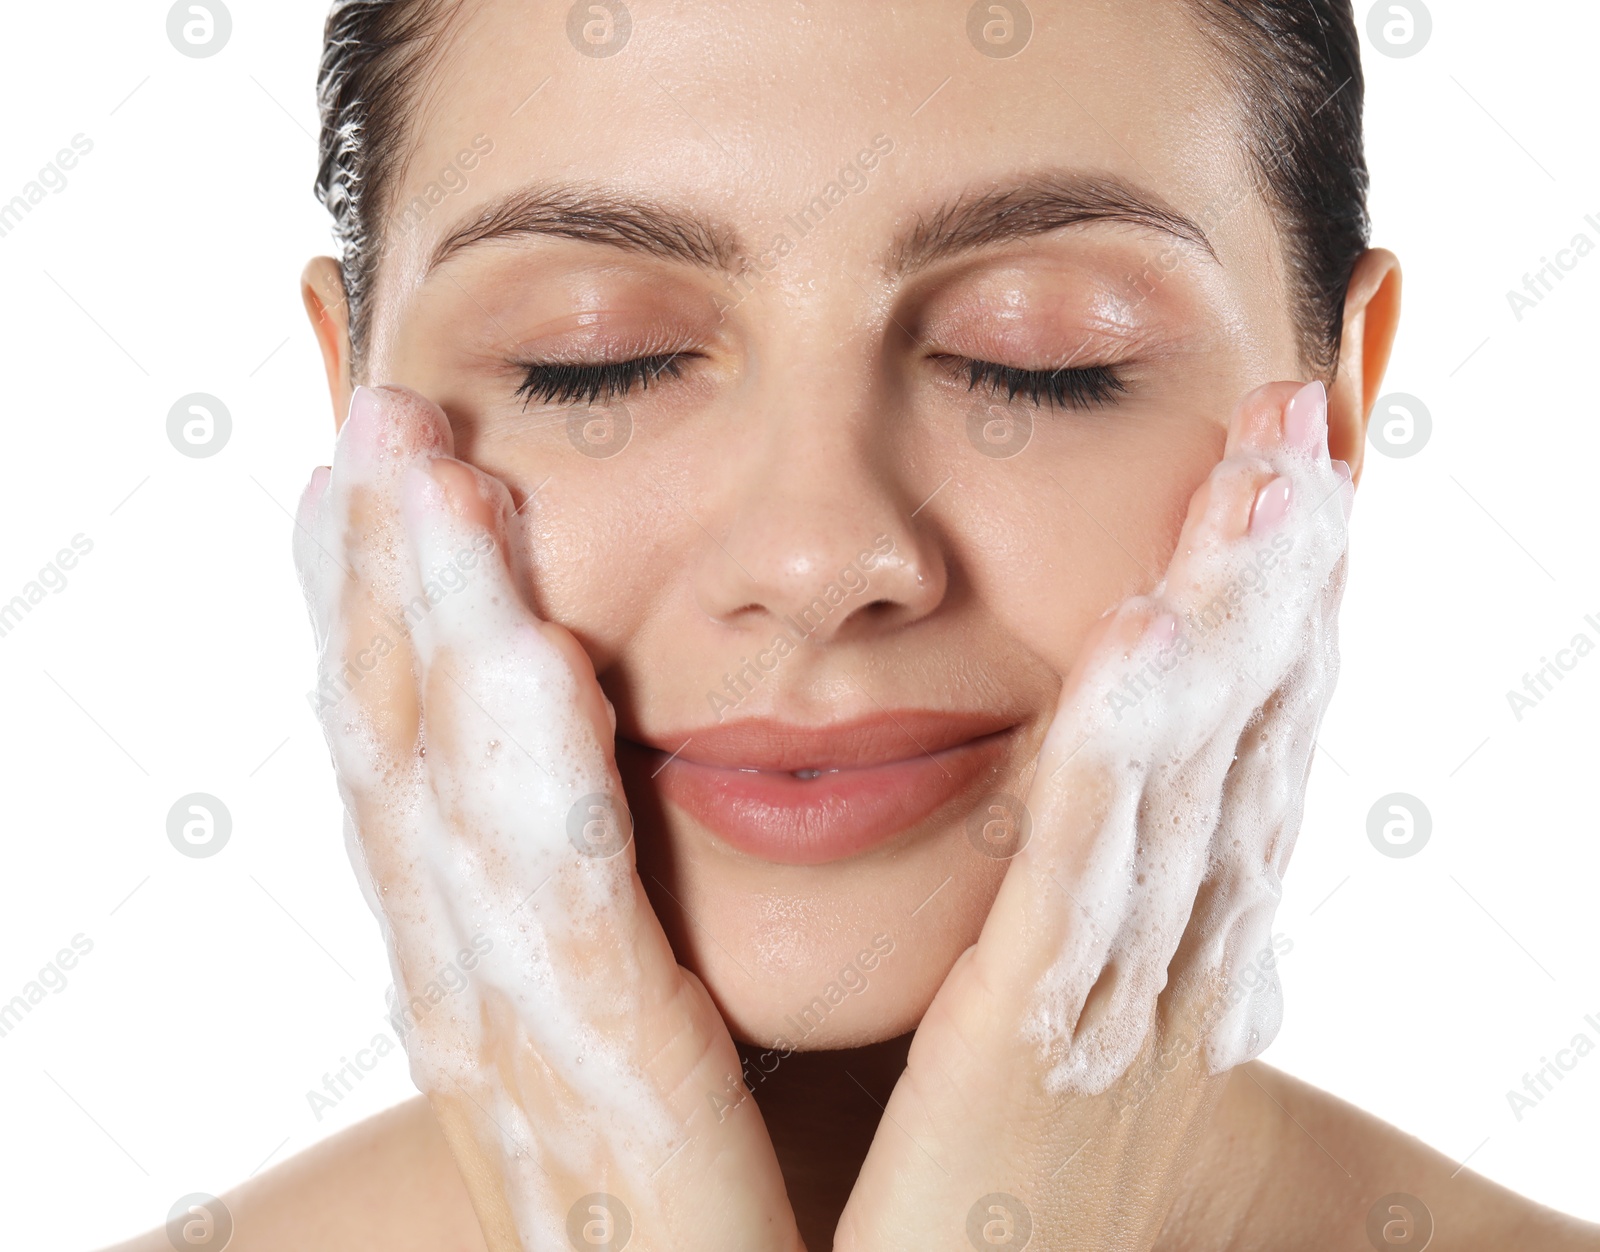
<point>841,813</point>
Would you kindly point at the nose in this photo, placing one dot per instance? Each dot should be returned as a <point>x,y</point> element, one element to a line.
<point>818,537</point>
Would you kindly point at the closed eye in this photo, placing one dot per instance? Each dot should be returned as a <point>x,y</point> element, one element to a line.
<point>584,382</point>
<point>1070,387</point>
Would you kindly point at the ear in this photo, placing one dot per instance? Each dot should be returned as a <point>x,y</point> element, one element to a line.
<point>1371,317</point>
<point>322,291</point>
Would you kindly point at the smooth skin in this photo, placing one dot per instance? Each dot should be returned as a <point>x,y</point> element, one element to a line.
<point>819,410</point>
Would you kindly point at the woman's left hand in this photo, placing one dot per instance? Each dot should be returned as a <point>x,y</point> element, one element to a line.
<point>1073,1055</point>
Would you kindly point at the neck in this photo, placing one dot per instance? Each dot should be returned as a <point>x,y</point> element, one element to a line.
<point>821,1111</point>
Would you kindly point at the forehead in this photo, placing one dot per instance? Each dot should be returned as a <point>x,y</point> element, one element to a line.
<point>748,111</point>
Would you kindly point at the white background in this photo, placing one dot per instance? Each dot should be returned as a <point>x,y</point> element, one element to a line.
<point>219,991</point>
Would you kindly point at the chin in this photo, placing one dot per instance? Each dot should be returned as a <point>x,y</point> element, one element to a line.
<point>835,996</point>
<point>822,956</point>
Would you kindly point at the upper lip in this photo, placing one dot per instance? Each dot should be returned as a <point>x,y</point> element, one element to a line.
<point>875,739</point>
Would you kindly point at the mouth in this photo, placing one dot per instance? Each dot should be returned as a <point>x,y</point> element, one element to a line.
<point>799,795</point>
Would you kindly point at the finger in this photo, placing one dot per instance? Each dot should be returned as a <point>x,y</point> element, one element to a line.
<point>317,565</point>
<point>388,430</point>
<point>1231,944</point>
<point>371,703</point>
<point>536,842</point>
<point>483,501</point>
<point>1257,422</point>
<point>1247,577</point>
<point>351,547</point>
<point>497,681</point>
<point>507,694</point>
<point>365,671</point>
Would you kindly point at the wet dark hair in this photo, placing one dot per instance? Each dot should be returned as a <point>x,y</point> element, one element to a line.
<point>375,54</point>
<point>1296,74</point>
<point>1294,67</point>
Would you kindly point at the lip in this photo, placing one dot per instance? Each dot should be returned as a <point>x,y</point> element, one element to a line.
<point>878,777</point>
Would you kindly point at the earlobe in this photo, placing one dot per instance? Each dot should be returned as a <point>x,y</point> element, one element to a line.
<point>322,292</point>
<point>1371,318</point>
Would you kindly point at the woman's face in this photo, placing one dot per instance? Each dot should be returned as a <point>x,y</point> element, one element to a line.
<point>809,519</point>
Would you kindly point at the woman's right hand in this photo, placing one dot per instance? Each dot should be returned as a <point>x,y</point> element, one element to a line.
<point>487,823</point>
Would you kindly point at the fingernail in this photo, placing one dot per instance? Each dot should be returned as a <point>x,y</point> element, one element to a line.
<point>362,423</point>
<point>1305,421</point>
<point>311,497</point>
<point>1342,468</point>
<point>442,491</point>
<point>422,489</point>
<point>1272,503</point>
<point>1162,630</point>
<point>366,405</point>
<point>1347,489</point>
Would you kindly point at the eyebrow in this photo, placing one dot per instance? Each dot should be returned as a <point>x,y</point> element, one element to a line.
<point>596,215</point>
<point>1035,204</point>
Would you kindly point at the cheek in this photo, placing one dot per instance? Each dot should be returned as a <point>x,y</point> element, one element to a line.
<point>601,554</point>
<point>1063,534</point>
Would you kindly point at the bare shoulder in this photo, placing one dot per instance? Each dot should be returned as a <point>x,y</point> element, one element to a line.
<point>1286,1165</point>
<point>389,1182</point>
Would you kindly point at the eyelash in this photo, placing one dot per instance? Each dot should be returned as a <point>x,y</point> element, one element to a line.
<point>572,382</point>
<point>1081,387</point>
